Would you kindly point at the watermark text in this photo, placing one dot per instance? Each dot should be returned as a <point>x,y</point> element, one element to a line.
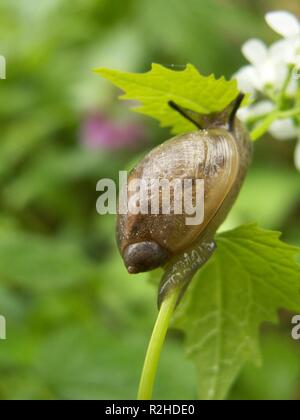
<point>2,67</point>
<point>2,328</point>
<point>153,196</point>
<point>296,328</point>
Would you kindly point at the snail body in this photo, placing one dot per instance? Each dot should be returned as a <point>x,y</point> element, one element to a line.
<point>219,153</point>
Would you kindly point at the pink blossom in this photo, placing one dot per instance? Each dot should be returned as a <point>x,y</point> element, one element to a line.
<point>100,132</point>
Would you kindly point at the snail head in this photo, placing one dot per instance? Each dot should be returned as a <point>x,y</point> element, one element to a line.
<point>216,119</point>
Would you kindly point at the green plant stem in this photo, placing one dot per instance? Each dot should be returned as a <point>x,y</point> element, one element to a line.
<point>285,86</point>
<point>265,124</point>
<point>263,127</point>
<point>155,346</point>
<point>289,113</point>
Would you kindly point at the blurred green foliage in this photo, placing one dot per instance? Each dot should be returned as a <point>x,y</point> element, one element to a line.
<point>77,324</point>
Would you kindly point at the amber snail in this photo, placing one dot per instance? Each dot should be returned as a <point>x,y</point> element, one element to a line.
<point>219,152</point>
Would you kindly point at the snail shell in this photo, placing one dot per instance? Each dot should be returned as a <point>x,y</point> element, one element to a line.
<point>219,154</point>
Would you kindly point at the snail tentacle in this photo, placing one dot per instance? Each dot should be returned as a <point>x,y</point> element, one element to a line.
<point>187,114</point>
<point>236,106</point>
<point>225,118</point>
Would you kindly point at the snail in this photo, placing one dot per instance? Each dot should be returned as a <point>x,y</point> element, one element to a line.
<point>220,153</point>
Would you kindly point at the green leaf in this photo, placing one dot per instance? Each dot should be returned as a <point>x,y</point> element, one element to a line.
<point>278,378</point>
<point>250,277</point>
<point>187,88</point>
<point>71,366</point>
<point>41,264</point>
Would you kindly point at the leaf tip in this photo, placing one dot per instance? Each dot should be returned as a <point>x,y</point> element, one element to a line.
<point>98,70</point>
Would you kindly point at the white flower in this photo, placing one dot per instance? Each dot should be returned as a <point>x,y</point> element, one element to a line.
<point>268,75</point>
<point>255,51</point>
<point>284,129</point>
<point>288,26</point>
<point>259,109</point>
<point>286,50</point>
<point>284,23</point>
<point>266,69</point>
<point>269,66</point>
<point>247,79</point>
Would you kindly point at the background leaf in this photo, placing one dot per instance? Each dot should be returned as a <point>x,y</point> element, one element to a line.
<point>44,265</point>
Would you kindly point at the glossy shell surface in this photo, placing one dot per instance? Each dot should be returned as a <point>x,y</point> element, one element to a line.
<point>218,157</point>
